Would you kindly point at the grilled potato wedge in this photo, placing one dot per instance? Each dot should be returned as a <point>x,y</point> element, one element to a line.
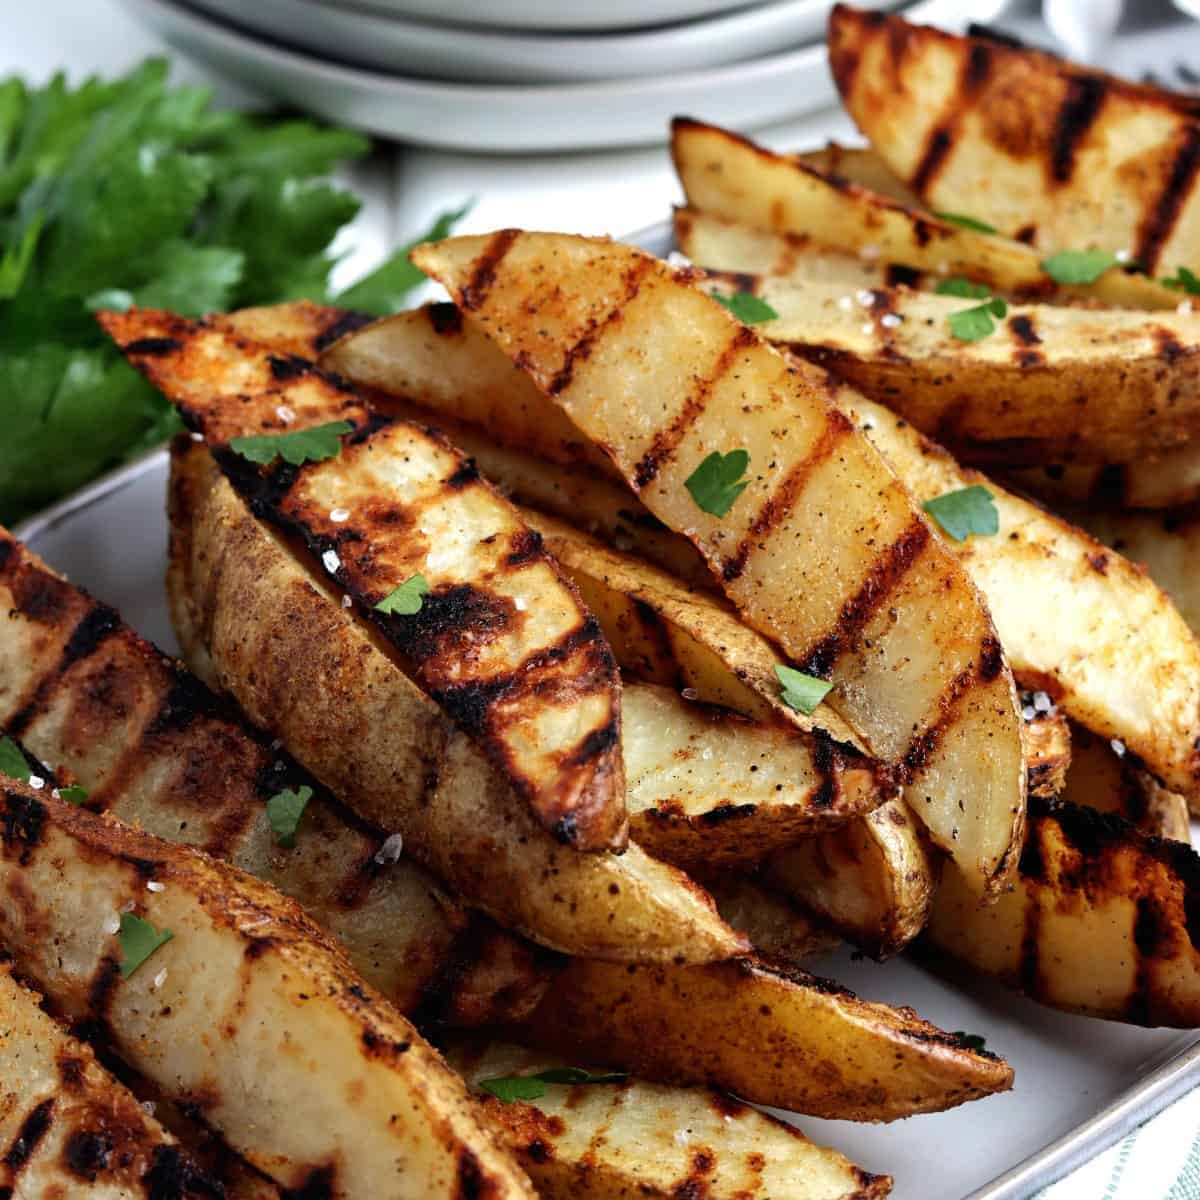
<point>823,1052</point>
<point>728,176</point>
<point>1048,745</point>
<point>1058,155</point>
<point>872,880</point>
<point>68,1128</point>
<point>1159,481</point>
<point>1108,646</point>
<point>628,1138</point>
<point>923,681</point>
<point>1050,384</point>
<point>248,1011</point>
<point>1107,778</point>
<point>1100,920</point>
<point>501,641</point>
<point>779,928</point>
<point>311,670</point>
<point>710,789</point>
<point>153,747</point>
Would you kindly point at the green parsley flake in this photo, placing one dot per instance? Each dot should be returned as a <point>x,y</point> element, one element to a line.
<point>1079,266</point>
<point>802,692</point>
<point>73,794</point>
<point>139,940</point>
<point>966,222</point>
<point>747,307</point>
<point>972,324</point>
<point>958,286</point>
<point>967,511</point>
<point>1183,281</point>
<point>12,761</point>
<point>973,1041</point>
<point>284,811</point>
<point>407,599</point>
<point>508,1088</point>
<point>303,445</point>
<point>718,481</point>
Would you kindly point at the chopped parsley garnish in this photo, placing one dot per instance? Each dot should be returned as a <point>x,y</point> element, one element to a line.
<point>967,511</point>
<point>139,940</point>
<point>406,600</point>
<point>508,1088</point>
<point>1183,281</point>
<point>973,324</point>
<point>746,307</point>
<point>718,481</point>
<point>1079,266</point>
<point>956,285</point>
<point>73,794</point>
<point>12,761</point>
<point>973,1041</point>
<point>802,692</point>
<point>966,222</point>
<point>300,446</point>
<point>284,810</point>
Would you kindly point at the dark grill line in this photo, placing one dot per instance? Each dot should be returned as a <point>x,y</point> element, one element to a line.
<point>1160,220</point>
<point>476,288</point>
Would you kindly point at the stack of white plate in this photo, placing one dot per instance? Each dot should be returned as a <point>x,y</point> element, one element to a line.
<point>527,75</point>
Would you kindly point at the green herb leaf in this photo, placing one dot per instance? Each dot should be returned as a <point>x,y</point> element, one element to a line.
<point>1183,281</point>
<point>1079,266</point>
<point>802,692</point>
<point>508,1088</point>
<point>966,222</point>
<point>957,286</point>
<point>746,306</point>
<point>12,761</point>
<point>139,940</point>
<point>284,811</point>
<point>405,600</point>
<point>964,512</point>
<point>718,481</point>
<point>300,446</point>
<point>73,794</point>
<point>972,324</point>
<point>385,290</point>
<point>972,1041</point>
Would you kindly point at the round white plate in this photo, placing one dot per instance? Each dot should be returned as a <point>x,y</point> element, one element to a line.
<point>444,52</point>
<point>512,119</point>
<point>549,14</point>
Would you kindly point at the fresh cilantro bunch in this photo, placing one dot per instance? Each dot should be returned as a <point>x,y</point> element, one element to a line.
<point>133,192</point>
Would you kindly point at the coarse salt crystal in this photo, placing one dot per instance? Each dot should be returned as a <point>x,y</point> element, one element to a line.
<point>682,1137</point>
<point>706,753</point>
<point>339,515</point>
<point>869,251</point>
<point>127,907</point>
<point>154,886</point>
<point>891,320</point>
<point>331,561</point>
<point>845,303</point>
<point>113,924</point>
<point>391,850</point>
<point>285,414</point>
<point>1183,308</point>
<point>868,329</point>
<point>1122,256</point>
<point>196,437</point>
<point>1028,712</point>
<point>690,694</point>
<point>1042,702</point>
<point>1118,747</point>
<point>676,259</point>
<point>865,298</point>
<point>347,602</point>
<point>160,978</point>
<point>36,782</point>
<point>148,1107</point>
<point>520,603</point>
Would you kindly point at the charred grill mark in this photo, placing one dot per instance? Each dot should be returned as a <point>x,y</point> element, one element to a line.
<point>70,1071</point>
<point>317,1185</point>
<point>882,579</point>
<point>32,1130</point>
<point>781,502</point>
<point>470,1184</point>
<point>898,275</point>
<point>1169,347</point>
<point>446,319</point>
<point>173,1177</point>
<point>152,347</point>
<point>475,290</point>
<point>344,323</point>
<point>1023,331</point>
<point>1078,111</point>
<point>286,367</point>
<point>100,991</point>
<point>23,821</point>
<point>37,596</point>
<point>583,348</point>
<point>100,623</point>
<point>1159,221</point>
<point>991,658</point>
<point>827,762</point>
<point>525,546</point>
<point>667,441</point>
<point>86,1153</point>
<point>436,1005</point>
<point>8,549</point>
<point>978,66</point>
<point>598,742</point>
<point>466,474</point>
<point>367,426</point>
<point>186,701</point>
<point>936,149</point>
<point>664,667</point>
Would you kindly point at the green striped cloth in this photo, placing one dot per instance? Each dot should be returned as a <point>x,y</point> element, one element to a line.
<point>1160,1160</point>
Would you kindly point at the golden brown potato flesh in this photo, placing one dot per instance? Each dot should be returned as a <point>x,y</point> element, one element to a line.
<point>662,378</point>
